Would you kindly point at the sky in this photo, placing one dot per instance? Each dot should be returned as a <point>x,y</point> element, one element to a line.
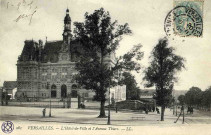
<point>22,20</point>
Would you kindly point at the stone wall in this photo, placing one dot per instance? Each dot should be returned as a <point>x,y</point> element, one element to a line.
<point>130,104</point>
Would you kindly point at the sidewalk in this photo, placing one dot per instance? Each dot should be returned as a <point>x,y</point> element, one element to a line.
<point>85,116</point>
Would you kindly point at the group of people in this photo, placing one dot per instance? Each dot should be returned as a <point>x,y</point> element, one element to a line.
<point>190,110</point>
<point>149,109</point>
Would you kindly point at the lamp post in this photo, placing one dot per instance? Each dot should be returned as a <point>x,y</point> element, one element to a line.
<point>109,102</point>
<point>50,99</point>
<point>176,106</point>
<point>50,108</point>
<point>183,111</point>
<point>109,115</point>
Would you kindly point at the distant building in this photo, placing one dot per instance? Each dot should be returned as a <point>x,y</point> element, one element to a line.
<point>147,94</point>
<point>118,93</point>
<point>1,91</point>
<point>47,70</point>
<point>10,87</point>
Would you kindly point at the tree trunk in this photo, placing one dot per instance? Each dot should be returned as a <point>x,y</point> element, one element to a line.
<point>162,112</point>
<point>102,104</point>
<point>102,109</point>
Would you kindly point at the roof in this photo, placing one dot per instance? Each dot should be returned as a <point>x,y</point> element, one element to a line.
<point>51,51</point>
<point>67,18</point>
<point>30,51</point>
<point>9,85</point>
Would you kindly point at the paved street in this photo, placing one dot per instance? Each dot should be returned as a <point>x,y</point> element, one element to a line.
<point>85,116</point>
<point>199,117</point>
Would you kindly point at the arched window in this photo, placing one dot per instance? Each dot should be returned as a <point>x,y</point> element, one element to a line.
<point>74,86</point>
<point>74,92</point>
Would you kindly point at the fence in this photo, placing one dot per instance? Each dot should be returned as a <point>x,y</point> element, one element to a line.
<point>44,104</point>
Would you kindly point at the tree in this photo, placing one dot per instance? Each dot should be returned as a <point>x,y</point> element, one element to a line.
<point>99,38</point>
<point>161,72</point>
<point>132,91</point>
<point>206,100</point>
<point>181,99</point>
<point>193,96</point>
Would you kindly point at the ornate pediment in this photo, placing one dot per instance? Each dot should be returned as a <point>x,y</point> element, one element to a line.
<point>64,47</point>
<point>64,57</point>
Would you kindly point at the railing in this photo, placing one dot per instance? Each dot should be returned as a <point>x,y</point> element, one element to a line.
<point>43,104</point>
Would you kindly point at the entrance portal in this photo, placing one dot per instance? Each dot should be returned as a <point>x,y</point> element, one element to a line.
<point>63,91</point>
<point>74,92</point>
<point>53,91</point>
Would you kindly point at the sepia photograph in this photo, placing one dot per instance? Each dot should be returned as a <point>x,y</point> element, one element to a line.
<point>105,67</point>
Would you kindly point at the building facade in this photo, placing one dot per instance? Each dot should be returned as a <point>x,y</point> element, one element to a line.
<point>47,70</point>
<point>10,87</point>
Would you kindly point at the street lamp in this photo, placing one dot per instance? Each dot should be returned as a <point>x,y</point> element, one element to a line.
<point>176,106</point>
<point>109,104</point>
<point>109,115</point>
<point>50,99</point>
<point>50,108</point>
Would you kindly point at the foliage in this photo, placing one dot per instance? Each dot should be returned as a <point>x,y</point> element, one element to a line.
<point>181,99</point>
<point>99,38</point>
<point>161,72</point>
<point>198,98</point>
<point>132,90</point>
<point>206,100</point>
<point>193,96</point>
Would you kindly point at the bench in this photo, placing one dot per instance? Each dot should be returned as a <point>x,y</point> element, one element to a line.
<point>133,118</point>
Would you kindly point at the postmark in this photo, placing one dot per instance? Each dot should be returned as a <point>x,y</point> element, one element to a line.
<point>7,127</point>
<point>185,19</point>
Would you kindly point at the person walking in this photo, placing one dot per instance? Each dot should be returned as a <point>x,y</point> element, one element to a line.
<point>153,109</point>
<point>191,110</point>
<point>43,112</point>
<point>157,109</point>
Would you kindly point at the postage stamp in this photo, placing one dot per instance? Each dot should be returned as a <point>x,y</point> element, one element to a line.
<point>185,19</point>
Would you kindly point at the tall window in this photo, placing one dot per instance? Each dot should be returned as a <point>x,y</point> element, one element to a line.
<point>53,91</point>
<point>44,76</point>
<point>64,75</point>
<point>53,76</point>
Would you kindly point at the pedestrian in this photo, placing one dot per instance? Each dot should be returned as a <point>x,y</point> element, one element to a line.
<point>182,108</point>
<point>43,112</point>
<point>150,109</point>
<point>191,110</point>
<point>153,109</point>
<point>63,99</point>
<point>68,103</point>
<point>146,109</point>
<point>158,112</point>
<point>116,108</point>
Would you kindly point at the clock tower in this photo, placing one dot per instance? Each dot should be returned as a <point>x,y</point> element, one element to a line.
<point>67,36</point>
<point>64,52</point>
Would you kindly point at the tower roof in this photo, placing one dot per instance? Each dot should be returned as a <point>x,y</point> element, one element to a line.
<point>67,17</point>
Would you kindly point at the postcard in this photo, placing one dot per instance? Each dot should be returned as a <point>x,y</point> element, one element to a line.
<point>105,67</point>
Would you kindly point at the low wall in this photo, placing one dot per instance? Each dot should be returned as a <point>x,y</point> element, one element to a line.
<point>130,104</point>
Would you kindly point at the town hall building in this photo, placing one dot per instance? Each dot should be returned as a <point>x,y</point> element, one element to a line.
<point>46,70</point>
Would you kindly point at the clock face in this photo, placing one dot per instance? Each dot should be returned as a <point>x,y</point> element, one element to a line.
<point>65,33</point>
